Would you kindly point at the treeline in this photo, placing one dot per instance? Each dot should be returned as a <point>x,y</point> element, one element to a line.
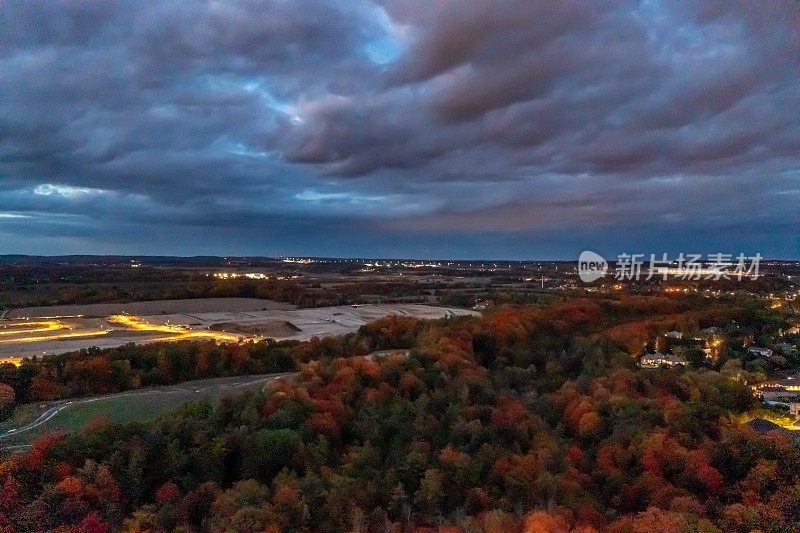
<point>95,371</point>
<point>531,419</point>
<point>183,285</point>
<point>177,289</point>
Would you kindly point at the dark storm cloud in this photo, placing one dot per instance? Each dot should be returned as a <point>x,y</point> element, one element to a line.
<point>474,128</point>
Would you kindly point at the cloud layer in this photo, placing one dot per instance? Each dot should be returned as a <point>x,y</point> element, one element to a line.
<point>403,128</point>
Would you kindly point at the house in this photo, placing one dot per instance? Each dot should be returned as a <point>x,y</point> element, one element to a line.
<point>482,305</point>
<point>789,386</point>
<point>761,352</point>
<point>674,335</point>
<point>655,360</point>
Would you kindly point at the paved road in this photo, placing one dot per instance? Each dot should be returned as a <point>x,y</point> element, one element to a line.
<point>198,387</point>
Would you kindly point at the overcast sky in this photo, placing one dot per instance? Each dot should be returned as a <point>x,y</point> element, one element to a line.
<point>414,128</point>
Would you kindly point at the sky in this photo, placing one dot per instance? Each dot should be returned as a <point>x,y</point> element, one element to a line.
<point>408,128</point>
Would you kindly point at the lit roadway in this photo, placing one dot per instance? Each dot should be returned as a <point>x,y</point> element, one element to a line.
<point>25,327</point>
<point>177,332</point>
<point>17,332</point>
<point>32,332</point>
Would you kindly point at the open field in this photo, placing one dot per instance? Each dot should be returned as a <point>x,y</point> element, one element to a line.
<point>35,337</point>
<point>306,323</point>
<point>138,405</point>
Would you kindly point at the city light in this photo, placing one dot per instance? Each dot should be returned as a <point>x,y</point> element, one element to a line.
<point>178,332</point>
<point>56,337</point>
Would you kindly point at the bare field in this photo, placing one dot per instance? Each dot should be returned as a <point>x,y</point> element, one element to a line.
<point>276,329</point>
<point>36,337</point>
<point>197,305</point>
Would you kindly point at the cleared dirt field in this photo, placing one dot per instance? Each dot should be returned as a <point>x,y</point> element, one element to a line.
<point>276,330</point>
<point>35,337</point>
<point>198,305</point>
